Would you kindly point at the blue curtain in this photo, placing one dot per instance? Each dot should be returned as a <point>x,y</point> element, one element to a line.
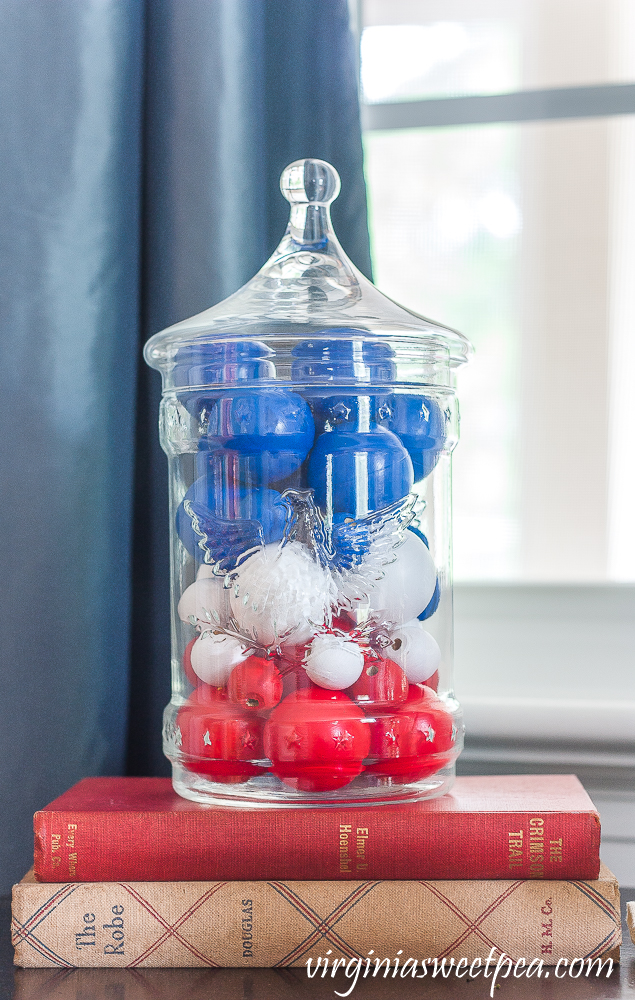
<point>142,144</point>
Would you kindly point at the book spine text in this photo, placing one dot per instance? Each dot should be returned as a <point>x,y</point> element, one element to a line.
<point>284,924</point>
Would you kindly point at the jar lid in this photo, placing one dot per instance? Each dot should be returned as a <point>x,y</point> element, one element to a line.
<point>308,292</point>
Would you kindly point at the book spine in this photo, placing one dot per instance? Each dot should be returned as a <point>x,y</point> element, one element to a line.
<point>284,924</point>
<point>341,845</point>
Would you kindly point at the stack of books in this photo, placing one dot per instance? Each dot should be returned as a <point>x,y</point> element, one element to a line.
<point>127,874</point>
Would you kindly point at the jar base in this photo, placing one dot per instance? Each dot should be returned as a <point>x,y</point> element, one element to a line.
<point>266,791</point>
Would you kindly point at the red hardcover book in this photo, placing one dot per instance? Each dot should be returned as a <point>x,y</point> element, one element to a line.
<point>138,829</point>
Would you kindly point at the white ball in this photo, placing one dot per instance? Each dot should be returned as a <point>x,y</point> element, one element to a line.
<point>215,655</point>
<point>415,650</point>
<point>279,589</point>
<point>408,583</point>
<point>205,571</point>
<point>334,663</point>
<point>201,599</point>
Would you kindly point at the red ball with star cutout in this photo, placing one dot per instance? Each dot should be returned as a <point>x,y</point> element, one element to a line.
<point>256,684</point>
<point>382,684</point>
<point>219,740</point>
<point>414,742</point>
<point>317,739</point>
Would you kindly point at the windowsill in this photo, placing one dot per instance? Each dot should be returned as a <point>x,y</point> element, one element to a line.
<point>547,662</point>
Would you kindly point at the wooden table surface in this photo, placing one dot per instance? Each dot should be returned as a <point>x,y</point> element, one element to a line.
<point>291,984</point>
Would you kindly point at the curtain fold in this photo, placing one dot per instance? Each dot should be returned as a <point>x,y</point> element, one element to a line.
<point>312,109</point>
<point>143,146</point>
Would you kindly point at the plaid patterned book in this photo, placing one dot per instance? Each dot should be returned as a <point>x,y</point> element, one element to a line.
<point>280,924</point>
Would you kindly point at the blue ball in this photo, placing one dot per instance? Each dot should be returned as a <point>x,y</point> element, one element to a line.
<point>419,422</point>
<point>432,605</point>
<point>230,520</point>
<point>354,473</point>
<point>339,354</point>
<point>217,364</point>
<point>327,361</point>
<point>349,410</point>
<point>229,468</point>
<point>274,423</point>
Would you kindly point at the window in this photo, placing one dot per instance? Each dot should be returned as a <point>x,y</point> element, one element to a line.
<point>500,151</point>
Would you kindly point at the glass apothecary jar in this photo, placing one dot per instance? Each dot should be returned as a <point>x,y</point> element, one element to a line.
<point>309,423</point>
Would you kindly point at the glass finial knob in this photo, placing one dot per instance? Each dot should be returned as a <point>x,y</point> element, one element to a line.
<point>307,182</point>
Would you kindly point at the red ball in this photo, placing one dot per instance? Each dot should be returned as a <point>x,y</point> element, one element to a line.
<point>433,682</point>
<point>382,684</point>
<point>255,684</point>
<point>292,656</point>
<point>205,693</point>
<point>420,693</point>
<point>294,679</point>
<point>218,739</point>
<point>414,742</point>
<point>319,777</point>
<point>317,739</point>
<point>343,622</point>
